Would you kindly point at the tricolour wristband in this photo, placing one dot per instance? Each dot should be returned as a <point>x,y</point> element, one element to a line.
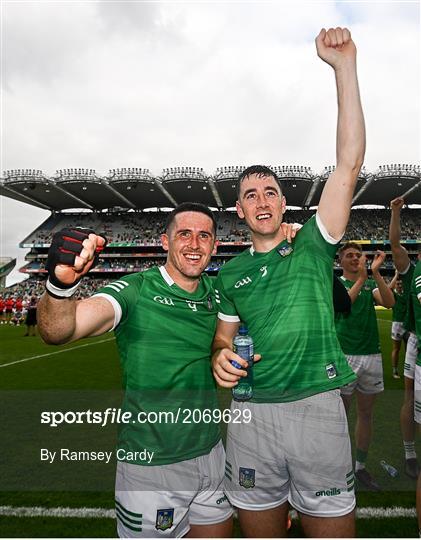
<point>58,293</point>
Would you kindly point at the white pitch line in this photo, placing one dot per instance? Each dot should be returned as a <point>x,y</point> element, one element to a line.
<point>59,512</point>
<point>108,513</point>
<point>55,352</point>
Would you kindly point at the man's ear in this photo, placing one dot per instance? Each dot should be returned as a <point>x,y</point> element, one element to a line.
<point>283,204</point>
<point>239,210</point>
<point>164,241</point>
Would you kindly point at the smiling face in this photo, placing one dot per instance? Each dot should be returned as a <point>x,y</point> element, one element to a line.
<point>262,205</point>
<point>190,242</point>
<point>350,259</point>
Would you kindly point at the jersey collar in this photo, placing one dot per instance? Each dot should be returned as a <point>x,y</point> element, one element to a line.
<point>167,278</point>
<point>253,252</point>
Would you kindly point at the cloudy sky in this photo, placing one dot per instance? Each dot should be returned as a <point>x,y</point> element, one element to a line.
<point>160,84</point>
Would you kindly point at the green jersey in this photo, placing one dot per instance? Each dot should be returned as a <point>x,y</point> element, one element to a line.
<point>416,298</point>
<point>284,297</point>
<point>407,278</point>
<point>357,332</point>
<point>400,307</point>
<point>164,336</point>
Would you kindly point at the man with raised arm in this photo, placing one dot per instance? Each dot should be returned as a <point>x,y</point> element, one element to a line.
<point>406,271</point>
<point>164,321</point>
<point>296,448</point>
<point>359,338</point>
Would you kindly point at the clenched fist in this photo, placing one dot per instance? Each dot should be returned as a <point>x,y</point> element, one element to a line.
<point>397,204</point>
<point>73,252</point>
<point>336,47</point>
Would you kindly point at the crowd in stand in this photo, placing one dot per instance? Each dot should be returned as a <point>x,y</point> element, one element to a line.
<point>136,228</point>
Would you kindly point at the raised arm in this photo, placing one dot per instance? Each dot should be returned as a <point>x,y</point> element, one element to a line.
<point>384,295</point>
<point>61,318</point>
<point>392,283</point>
<point>337,49</point>
<point>354,291</point>
<point>399,254</point>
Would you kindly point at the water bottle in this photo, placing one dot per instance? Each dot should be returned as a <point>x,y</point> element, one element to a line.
<point>391,471</point>
<point>243,346</point>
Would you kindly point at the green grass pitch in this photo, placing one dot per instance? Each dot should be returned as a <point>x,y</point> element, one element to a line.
<point>87,375</point>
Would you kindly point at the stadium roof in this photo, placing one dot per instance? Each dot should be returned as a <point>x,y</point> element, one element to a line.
<point>6,266</point>
<point>137,189</point>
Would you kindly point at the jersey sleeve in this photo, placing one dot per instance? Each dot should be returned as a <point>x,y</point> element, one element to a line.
<point>406,278</point>
<point>121,294</point>
<point>314,237</point>
<point>226,307</point>
<point>417,280</point>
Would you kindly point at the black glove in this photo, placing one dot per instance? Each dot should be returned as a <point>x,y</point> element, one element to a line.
<point>65,246</point>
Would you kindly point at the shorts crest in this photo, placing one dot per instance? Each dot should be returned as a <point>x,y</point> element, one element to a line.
<point>164,519</point>
<point>247,477</point>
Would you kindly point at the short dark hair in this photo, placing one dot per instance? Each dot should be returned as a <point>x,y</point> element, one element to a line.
<point>259,170</point>
<point>349,245</point>
<point>190,207</point>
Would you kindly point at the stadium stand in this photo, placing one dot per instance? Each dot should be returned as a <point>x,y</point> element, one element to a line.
<point>129,206</point>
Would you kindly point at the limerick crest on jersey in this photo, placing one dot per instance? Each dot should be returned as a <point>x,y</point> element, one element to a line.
<point>164,519</point>
<point>247,477</point>
<point>284,251</point>
<point>331,371</point>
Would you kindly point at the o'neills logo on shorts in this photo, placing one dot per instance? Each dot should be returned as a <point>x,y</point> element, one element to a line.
<point>328,492</point>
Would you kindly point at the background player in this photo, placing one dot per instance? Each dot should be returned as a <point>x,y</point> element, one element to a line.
<point>398,332</point>
<point>359,338</point>
<point>164,321</point>
<point>297,446</point>
<point>416,299</point>
<point>406,270</point>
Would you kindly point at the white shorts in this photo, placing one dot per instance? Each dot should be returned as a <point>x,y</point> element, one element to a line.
<point>162,501</point>
<point>410,356</point>
<point>369,371</point>
<point>417,394</point>
<point>298,451</point>
<point>398,331</point>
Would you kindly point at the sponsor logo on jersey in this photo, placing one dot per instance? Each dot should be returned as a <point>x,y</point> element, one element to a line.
<point>331,371</point>
<point>284,251</point>
<point>221,500</point>
<point>164,519</point>
<point>217,297</point>
<point>247,477</point>
<point>328,492</point>
<point>162,300</point>
<point>264,271</point>
<point>244,281</point>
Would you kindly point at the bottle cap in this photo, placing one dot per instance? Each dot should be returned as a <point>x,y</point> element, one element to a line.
<point>243,330</point>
